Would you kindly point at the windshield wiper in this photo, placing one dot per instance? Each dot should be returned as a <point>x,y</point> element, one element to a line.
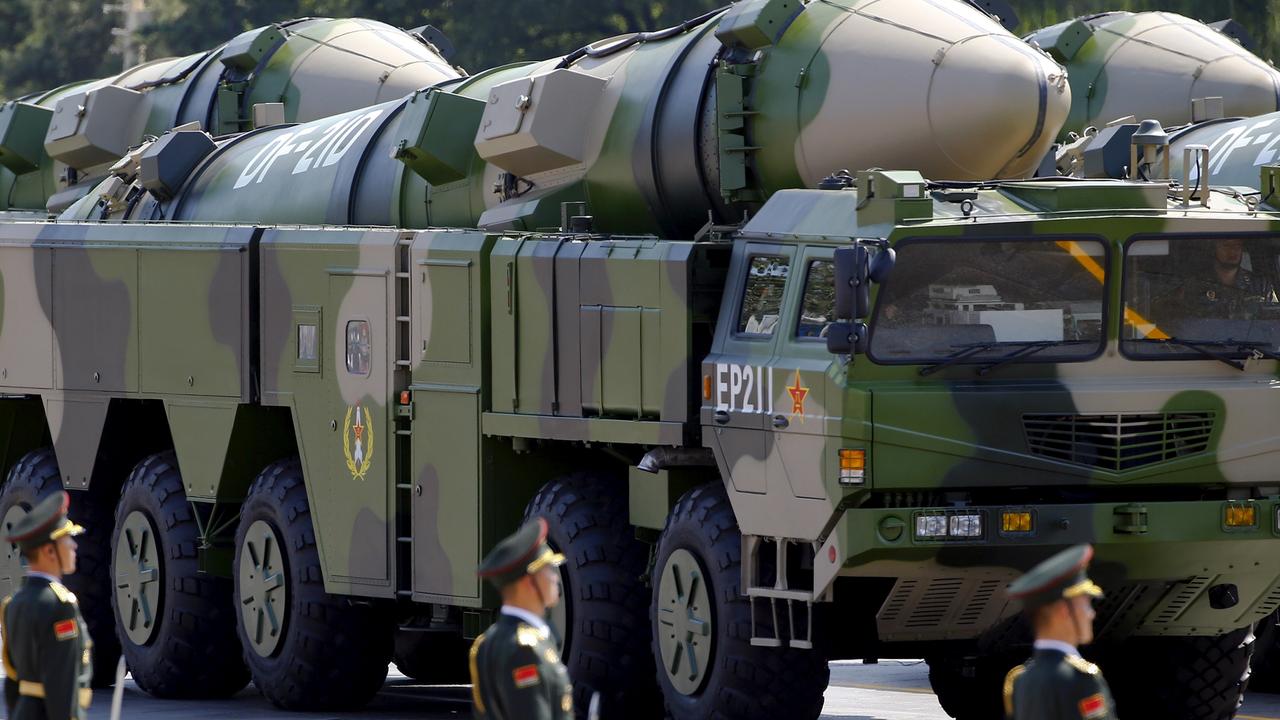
<point>1023,347</point>
<point>1026,351</point>
<point>1206,348</point>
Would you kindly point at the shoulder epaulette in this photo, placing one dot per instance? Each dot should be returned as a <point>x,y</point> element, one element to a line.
<point>528,636</point>
<point>62,593</point>
<point>475,674</point>
<point>1082,665</point>
<point>1009,680</point>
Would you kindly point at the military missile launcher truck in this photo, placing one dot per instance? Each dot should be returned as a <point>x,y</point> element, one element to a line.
<point>309,432</point>
<point>294,432</point>
<point>56,145</point>
<point>675,138</point>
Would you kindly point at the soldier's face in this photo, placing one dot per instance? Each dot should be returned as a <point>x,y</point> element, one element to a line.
<point>66,549</point>
<point>1082,609</point>
<point>1229,252</point>
<point>548,581</point>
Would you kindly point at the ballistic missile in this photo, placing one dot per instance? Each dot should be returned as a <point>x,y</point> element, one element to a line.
<point>1157,65</point>
<point>652,132</point>
<point>56,145</point>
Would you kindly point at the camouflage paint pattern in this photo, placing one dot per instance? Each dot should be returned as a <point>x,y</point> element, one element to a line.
<point>1153,65</point>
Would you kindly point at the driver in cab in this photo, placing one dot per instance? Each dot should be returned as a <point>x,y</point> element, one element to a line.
<point>1226,290</point>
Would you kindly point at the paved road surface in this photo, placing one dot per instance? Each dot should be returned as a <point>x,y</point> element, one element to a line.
<point>891,690</point>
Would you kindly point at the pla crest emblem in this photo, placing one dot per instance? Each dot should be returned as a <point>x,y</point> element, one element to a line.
<point>357,441</point>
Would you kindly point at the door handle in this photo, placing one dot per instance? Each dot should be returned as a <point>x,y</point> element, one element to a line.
<point>780,422</point>
<point>722,416</point>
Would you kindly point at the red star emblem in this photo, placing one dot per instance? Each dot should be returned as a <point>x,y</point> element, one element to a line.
<point>798,393</point>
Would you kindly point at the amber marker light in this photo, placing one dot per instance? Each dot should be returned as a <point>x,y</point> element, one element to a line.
<point>404,397</point>
<point>1237,516</point>
<point>1016,521</point>
<point>853,465</point>
<point>706,387</point>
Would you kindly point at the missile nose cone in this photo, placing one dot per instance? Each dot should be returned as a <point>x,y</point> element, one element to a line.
<point>1246,86</point>
<point>995,106</point>
<point>928,85</point>
<point>1154,64</point>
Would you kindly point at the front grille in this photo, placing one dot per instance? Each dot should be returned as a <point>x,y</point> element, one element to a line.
<point>1120,441</point>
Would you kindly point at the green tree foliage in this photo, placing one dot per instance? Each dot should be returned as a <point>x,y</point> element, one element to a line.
<point>44,43</point>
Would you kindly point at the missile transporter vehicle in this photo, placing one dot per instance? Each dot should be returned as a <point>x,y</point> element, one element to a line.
<point>752,466</point>
<point>294,416</point>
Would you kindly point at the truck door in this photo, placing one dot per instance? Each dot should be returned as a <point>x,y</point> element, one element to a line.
<point>739,389</point>
<point>809,411</point>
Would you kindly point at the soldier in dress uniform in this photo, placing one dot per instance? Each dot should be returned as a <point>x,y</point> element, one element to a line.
<point>516,671</point>
<point>1057,683</point>
<point>46,645</point>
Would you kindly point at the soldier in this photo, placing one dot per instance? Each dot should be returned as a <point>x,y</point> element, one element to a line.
<point>1224,290</point>
<point>516,671</point>
<point>1057,683</point>
<point>46,645</point>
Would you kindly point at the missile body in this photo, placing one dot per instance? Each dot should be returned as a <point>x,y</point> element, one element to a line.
<point>1154,65</point>
<point>658,132</point>
<point>55,145</point>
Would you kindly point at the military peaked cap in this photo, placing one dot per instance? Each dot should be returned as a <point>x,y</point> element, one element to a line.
<point>45,523</point>
<point>1058,578</point>
<point>523,553</point>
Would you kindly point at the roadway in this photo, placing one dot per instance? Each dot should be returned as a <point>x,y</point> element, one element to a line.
<point>890,690</point>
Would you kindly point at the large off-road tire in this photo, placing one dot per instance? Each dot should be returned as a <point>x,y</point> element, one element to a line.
<point>31,479</point>
<point>970,688</point>
<point>432,657</point>
<point>175,624</point>
<point>306,649</point>
<point>700,613</point>
<point>604,605</point>
<point>1196,678</point>
<point>1265,666</point>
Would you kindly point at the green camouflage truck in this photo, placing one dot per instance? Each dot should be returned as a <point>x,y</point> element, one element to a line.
<point>294,418</point>
<point>704,119</point>
<point>335,422</point>
<point>57,145</point>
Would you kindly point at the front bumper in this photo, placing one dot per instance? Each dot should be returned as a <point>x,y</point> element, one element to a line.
<point>1169,568</point>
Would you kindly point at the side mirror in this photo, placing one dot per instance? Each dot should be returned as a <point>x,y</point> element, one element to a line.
<point>847,338</point>
<point>853,291</point>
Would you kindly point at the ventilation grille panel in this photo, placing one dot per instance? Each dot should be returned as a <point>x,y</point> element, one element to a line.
<point>1120,441</point>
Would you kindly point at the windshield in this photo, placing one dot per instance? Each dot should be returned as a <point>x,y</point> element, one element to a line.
<point>958,300</point>
<point>1215,292</point>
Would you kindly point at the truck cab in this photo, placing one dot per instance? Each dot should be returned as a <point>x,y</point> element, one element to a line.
<point>1030,375</point>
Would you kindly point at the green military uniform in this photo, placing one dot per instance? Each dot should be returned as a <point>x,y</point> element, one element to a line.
<point>46,645</point>
<point>516,671</point>
<point>1056,683</point>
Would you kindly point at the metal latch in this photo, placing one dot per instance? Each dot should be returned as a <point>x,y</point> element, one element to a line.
<point>1131,520</point>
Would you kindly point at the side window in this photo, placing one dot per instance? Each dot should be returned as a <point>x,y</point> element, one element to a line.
<point>358,347</point>
<point>818,310</point>
<point>762,295</point>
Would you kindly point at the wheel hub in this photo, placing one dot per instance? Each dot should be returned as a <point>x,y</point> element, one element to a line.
<point>263,590</point>
<point>11,562</point>
<point>685,635</point>
<point>137,578</point>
